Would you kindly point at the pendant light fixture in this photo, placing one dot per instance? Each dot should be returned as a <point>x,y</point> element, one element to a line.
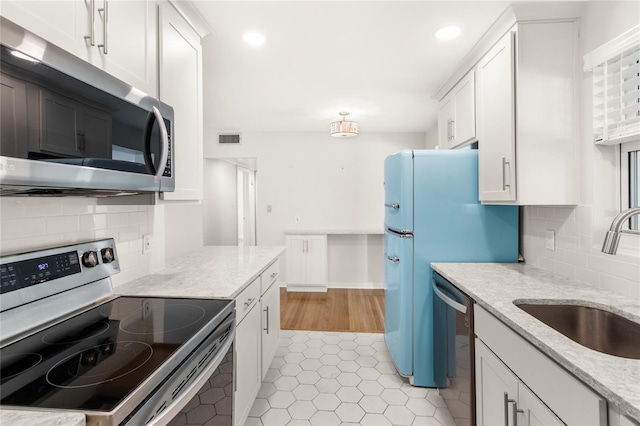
<point>344,128</point>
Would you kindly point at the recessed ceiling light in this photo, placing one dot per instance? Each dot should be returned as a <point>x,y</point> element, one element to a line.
<point>447,33</point>
<point>254,38</point>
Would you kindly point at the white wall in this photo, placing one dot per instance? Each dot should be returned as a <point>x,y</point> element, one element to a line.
<point>330,183</point>
<point>220,203</point>
<point>580,230</point>
<point>183,227</point>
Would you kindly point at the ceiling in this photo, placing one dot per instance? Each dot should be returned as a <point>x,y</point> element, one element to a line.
<point>378,60</point>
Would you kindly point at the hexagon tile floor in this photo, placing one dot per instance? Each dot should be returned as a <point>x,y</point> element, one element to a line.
<point>328,378</point>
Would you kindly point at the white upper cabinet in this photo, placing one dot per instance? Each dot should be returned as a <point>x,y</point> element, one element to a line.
<point>526,116</point>
<point>116,36</point>
<point>181,87</point>
<point>457,114</point>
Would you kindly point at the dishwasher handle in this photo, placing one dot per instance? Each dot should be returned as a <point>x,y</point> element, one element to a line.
<point>440,292</point>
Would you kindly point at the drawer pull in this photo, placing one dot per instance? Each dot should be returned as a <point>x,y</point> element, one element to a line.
<point>249,302</point>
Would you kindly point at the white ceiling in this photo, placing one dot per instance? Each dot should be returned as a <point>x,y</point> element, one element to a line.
<point>377,59</point>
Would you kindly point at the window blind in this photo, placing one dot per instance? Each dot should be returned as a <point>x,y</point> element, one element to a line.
<point>616,89</point>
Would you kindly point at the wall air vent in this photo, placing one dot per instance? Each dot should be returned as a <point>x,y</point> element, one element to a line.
<point>229,138</point>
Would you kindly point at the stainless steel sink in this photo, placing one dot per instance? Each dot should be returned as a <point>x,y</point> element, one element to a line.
<point>594,328</point>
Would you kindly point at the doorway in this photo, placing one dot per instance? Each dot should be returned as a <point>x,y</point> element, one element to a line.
<point>246,196</point>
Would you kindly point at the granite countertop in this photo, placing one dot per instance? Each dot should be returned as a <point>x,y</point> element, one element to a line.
<point>40,418</point>
<point>496,286</point>
<point>213,272</point>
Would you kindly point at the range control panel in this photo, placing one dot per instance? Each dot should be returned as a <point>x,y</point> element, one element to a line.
<point>60,268</point>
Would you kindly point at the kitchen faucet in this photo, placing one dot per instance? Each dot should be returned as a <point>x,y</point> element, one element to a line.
<point>612,237</point>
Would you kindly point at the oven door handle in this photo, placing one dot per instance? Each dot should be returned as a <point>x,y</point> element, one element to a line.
<point>190,391</point>
<point>446,299</point>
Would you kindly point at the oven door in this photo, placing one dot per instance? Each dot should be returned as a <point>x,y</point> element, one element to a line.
<point>212,362</point>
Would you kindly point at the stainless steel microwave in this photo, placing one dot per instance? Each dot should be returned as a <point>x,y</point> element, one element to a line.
<point>69,128</point>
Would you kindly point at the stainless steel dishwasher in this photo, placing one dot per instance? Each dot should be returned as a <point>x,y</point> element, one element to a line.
<point>455,349</point>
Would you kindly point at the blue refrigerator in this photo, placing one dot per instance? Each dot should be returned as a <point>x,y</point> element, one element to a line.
<point>432,214</point>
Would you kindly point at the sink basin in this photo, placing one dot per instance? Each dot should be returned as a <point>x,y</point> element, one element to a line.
<point>594,328</point>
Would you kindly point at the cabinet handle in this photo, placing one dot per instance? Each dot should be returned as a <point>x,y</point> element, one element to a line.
<point>267,311</point>
<point>249,302</point>
<point>92,32</point>
<point>394,206</point>
<point>274,276</point>
<point>448,129</point>
<point>506,409</point>
<point>504,174</point>
<point>515,413</point>
<point>105,32</point>
<point>394,259</point>
<point>453,129</point>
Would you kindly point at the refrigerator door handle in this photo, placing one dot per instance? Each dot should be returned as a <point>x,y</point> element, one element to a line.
<point>400,233</point>
<point>394,259</point>
<point>394,206</point>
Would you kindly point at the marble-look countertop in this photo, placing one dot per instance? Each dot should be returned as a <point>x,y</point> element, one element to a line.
<point>40,418</point>
<point>496,286</point>
<point>213,272</point>
<point>334,231</point>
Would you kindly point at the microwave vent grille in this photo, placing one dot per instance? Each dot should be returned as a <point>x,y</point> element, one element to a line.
<point>229,138</point>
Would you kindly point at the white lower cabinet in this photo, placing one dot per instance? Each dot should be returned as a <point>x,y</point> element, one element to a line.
<point>307,261</point>
<point>257,334</point>
<point>270,305</point>
<point>502,399</point>
<point>248,362</point>
<point>538,391</point>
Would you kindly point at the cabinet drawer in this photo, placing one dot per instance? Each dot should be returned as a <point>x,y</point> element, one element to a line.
<point>564,394</point>
<point>270,275</point>
<point>247,299</point>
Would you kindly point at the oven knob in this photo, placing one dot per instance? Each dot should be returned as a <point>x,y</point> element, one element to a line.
<point>107,255</point>
<point>90,259</point>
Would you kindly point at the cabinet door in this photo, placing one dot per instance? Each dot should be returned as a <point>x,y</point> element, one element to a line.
<point>496,122</point>
<point>445,115</point>
<point>126,30</point>
<point>296,256</point>
<point>62,23</point>
<point>181,87</point>
<point>464,116</point>
<point>270,304</point>
<point>247,364</point>
<point>13,112</point>
<point>61,128</point>
<point>535,413</point>
<point>96,134</point>
<point>493,380</point>
<point>316,260</point>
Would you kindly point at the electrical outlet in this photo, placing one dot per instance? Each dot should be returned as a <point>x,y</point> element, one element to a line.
<point>550,240</point>
<point>297,218</point>
<point>146,243</point>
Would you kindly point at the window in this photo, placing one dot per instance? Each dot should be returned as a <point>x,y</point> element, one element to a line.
<point>630,179</point>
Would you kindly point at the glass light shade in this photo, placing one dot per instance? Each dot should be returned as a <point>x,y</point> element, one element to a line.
<point>344,129</point>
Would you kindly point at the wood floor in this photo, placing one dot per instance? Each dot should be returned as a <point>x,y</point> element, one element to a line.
<point>358,310</point>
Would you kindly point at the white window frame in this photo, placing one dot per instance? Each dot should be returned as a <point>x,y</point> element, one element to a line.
<point>624,181</point>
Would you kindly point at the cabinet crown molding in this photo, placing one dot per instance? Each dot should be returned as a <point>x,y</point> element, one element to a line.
<point>193,16</point>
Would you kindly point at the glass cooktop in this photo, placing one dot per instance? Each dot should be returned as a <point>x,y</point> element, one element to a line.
<point>95,359</point>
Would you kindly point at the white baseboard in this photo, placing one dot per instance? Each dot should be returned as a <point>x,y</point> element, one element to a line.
<point>354,285</point>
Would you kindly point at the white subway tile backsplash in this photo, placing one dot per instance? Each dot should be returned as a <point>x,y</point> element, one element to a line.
<point>577,253</point>
<point>116,220</point>
<point>90,222</point>
<point>38,223</point>
<point>62,224</point>
<point>22,227</point>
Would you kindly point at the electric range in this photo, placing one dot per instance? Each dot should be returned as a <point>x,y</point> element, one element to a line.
<point>69,344</point>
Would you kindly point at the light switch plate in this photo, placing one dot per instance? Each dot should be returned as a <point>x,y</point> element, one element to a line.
<point>550,240</point>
